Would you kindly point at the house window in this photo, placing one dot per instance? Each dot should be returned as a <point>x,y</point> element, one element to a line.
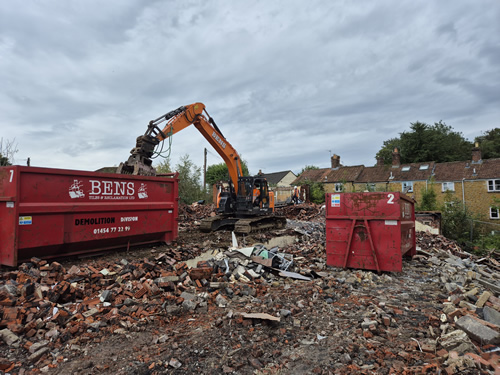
<point>339,187</point>
<point>407,186</point>
<point>494,213</point>
<point>405,169</point>
<point>493,185</point>
<point>448,186</point>
<point>424,167</point>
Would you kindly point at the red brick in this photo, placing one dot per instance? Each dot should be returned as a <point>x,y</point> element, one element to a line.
<point>478,359</point>
<point>200,273</point>
<point>441,352</point>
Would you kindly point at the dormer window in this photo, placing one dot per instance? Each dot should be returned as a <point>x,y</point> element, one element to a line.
<point>405,169</point>
<point>424,167</point>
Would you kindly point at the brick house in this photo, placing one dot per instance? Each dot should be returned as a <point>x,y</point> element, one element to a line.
<point>280,183</point>
<point>279,179</point>
<point>475,183</point>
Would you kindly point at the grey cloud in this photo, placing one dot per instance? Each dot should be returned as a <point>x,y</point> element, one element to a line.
<point>284,83</point>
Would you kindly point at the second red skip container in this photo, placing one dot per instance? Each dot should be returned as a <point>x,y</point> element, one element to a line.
<point>369,231</point>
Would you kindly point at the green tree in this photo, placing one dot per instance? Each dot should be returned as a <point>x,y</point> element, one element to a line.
<point>388,147</point>
<point>425,142</point>
<point>316,191</point>
<point>8,148</point>
<point>163,166</point>
<point>457,222</point>
<point>307,168</point>
<point>190,189</point>
<point>4,161</point>
<point>219,172</point>
<point>428,201</point>
<point>490,144</point>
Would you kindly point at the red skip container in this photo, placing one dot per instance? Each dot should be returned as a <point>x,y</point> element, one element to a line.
<point>49,213</point>
<point>369,230</point>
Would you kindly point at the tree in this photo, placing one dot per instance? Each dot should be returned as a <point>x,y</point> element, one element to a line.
<point>388,147</point>
<point>425,142</point>
<point>457,221</point>
<point>219,172</point>
<point>190,189</point>
<point>163,166</point>
<point>307,168</point>
<point>490,144</point>
<point>316,191</point>
<point>8,148</point>
<point>428,202</point>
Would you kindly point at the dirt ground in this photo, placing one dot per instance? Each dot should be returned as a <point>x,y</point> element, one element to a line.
<point>339,322</point>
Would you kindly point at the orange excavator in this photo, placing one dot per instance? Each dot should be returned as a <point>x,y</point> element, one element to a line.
<point>246,206</point>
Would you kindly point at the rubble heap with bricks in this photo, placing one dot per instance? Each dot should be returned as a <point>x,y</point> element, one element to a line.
<point>234,315</point>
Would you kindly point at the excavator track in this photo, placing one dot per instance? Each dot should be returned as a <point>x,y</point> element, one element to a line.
<point>242,226</point>
<point>211,224</point>
<point>255,224</point>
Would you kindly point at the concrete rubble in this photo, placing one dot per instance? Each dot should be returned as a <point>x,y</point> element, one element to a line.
<point>253,309</point>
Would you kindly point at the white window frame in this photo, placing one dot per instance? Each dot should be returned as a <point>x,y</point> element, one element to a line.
<point>339,187</point>
<point>407,184</point>
<point>493,185</point>
<point>445,186</point>
<point>494,214</point>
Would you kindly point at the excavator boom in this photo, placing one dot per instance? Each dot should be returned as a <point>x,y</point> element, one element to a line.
<point>140,163</point>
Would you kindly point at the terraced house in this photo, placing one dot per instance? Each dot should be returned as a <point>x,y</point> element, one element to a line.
<point>475,182</point>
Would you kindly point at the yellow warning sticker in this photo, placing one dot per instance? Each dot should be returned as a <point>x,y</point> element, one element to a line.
<point>25,220</point>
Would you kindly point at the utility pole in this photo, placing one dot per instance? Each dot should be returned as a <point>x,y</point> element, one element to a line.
<point>205,171</point>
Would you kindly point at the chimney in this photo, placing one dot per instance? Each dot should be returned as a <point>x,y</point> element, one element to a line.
<point>380,162</point>
<point>335,161</point>
<point>396,158</point>
<point>476,154</point>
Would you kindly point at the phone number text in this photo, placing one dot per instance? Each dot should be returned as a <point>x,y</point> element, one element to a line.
<point>111,230</point>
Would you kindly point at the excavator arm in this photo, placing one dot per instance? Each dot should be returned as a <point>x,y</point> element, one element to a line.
<point>140,163</point>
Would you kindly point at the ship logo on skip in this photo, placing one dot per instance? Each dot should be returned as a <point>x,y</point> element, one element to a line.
<point>75,190</point>
<point>142,193</point>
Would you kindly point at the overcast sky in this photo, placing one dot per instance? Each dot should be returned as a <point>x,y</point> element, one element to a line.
<point>288,82</point>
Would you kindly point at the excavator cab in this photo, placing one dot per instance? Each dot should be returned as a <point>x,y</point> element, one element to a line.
<point>253,196</point>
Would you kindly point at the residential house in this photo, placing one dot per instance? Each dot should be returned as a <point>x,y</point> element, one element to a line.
<point>281,184</point>
<point>279,179</point>
<point>475,183</point>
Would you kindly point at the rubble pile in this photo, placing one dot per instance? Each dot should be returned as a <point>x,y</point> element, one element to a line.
<point>252,309</point>
<point>469,322</point>
<point>428,241</point>
<point>190,215</point>
<point>304,212</point>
